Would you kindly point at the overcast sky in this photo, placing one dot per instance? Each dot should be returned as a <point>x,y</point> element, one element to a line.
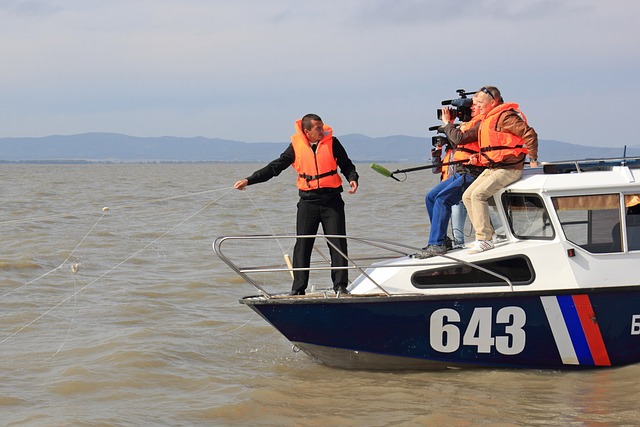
<point>245,70</point>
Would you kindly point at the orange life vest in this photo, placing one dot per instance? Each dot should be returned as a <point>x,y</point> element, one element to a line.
<point>447,169</point>
<point>495,145</point>
<point>464,152</point>
<point>317,169</point>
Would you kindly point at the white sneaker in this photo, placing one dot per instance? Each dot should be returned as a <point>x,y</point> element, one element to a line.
<point>481,246</point>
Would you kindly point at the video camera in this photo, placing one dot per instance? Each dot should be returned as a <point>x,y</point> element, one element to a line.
<point>438,142</point>
<point>461,110</point>
<point>461,106</point>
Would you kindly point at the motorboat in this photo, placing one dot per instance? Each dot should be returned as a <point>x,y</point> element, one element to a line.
<point>560,290</point>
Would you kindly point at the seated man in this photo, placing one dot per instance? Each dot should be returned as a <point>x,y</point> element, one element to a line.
<point>505,139</point>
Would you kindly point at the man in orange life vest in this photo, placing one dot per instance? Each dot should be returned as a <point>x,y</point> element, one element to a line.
<point>315,155</point>
<point>505,139</point>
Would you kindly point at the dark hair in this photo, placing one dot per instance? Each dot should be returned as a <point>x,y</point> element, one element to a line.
<point>307,119</point>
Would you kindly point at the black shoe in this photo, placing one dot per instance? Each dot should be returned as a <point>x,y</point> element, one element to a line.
<point>298,292</point>
<point>448,243</point>
<point>341,289</point>
<point>435,249</point>
<point>422,254</point>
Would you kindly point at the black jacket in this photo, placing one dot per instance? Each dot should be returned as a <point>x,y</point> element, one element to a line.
<point>286,159</point>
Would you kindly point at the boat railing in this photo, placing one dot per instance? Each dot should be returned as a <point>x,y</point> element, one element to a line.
<point>590,165</point>
<point>236,250</point>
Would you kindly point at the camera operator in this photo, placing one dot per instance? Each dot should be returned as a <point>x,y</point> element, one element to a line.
<point>444,200</point>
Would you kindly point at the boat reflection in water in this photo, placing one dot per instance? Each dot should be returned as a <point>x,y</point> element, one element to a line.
<point>561,289</point>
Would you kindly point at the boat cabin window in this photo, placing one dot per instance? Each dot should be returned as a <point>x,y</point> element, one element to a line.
<point>591,222</point>
<point>632,220</point>
<point>516,268</point>
<point>527,216</point>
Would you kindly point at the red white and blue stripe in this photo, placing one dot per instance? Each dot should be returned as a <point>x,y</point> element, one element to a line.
<point>575,330</point>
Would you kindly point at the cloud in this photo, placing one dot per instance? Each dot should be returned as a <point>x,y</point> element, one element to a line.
<point>28,7</point>
<point>402,13</point>
<point>378,67</point>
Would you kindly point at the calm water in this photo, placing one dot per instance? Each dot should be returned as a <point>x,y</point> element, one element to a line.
<point>148,329</point>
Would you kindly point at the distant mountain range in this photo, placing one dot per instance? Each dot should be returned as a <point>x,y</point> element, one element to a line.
<point>111,147</point>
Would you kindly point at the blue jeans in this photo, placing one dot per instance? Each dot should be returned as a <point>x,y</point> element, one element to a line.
<point>439,202</point>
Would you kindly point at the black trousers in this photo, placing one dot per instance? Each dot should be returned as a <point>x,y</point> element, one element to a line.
<point>311,213</point>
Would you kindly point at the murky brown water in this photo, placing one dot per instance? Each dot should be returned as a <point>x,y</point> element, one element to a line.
<point>149,331</point>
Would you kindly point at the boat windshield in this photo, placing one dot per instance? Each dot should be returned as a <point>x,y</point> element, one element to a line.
<point>527,216</point>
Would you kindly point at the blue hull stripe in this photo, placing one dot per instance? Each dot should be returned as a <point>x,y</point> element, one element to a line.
<point>578,337</point>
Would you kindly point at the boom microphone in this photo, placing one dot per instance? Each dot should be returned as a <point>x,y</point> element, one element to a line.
<point>383,171</point>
